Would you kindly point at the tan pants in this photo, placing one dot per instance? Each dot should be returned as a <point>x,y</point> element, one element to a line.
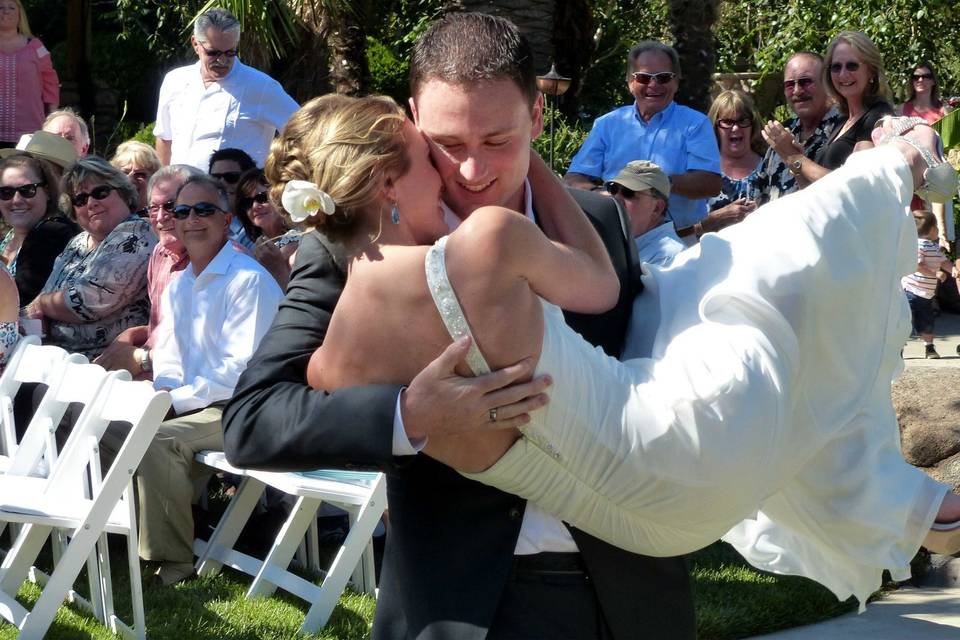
<point>165,483</point>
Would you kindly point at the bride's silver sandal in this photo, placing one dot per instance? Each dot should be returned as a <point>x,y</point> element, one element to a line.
<point>943,538</point>
<point>939,178</point>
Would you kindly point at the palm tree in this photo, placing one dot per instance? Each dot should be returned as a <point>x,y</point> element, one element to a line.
<point>692,24</point>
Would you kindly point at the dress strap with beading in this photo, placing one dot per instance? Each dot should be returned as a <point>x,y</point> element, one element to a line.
<point>449,307</point>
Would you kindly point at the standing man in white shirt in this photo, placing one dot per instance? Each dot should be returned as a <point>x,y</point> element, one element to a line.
<point>212,319</point>
<point>218,101</point>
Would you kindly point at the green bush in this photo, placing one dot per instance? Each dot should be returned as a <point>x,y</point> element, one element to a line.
<point>388,71</point>
<point>567,140</point>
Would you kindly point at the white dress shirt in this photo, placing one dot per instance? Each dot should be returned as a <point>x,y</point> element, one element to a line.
<point>243,111</point>
<point>210,326</point>
<point>539,531</point>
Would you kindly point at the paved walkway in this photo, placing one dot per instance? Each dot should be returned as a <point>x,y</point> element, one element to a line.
<point>927,613</point>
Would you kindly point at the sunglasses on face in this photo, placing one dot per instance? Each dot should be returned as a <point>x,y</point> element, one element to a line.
<point>851,65</point>
<point>166,206</point>
<point>803,83</point>
<point>614,188</point>
<point>230,177</point>
<point>97,193</point>
<point>216,53</point>
<point>260,198</point>
<point>138,175</point>
<point>727,123</point>
<point>661,78</point>
<point>25,190</point>
<point>202,209</point>
<point>922,76</point>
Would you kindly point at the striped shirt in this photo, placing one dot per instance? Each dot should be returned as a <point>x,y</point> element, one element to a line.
<point>930,256</point>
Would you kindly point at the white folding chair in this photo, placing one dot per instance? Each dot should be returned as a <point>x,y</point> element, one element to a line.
<point>30,363</point>
<point>60,502</point>
<point>362,494</point>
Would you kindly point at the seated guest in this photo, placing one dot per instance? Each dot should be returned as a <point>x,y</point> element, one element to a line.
<point>213,316</point>
<point>738,128</point>
<point>276,243</point>
<point>655,128</point>
<point>98,286</point>
<point>643,189</point>
<point>9,308</point>
<point>68,124</point>
<point>131,349</point>
<point>38,231</point>
<point>226,167</point>
<point>138,161</point>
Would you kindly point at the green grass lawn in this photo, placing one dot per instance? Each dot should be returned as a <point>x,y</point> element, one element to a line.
<point>733,601</point>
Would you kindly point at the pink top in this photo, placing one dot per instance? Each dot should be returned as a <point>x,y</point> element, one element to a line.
<point>161,269</point>
<point>930,116</point>
<point>27,82</point>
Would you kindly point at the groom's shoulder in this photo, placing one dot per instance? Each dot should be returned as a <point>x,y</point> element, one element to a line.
<point>600,208</point>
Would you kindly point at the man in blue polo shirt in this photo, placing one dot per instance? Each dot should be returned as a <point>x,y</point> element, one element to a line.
<point>654,128</point>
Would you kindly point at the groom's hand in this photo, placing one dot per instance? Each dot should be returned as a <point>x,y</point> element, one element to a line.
<point>439,401</point>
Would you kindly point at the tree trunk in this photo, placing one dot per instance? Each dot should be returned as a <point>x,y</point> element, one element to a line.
<point>306,70</point>
<point>534,18</point>
<point>574,25</point>
<point>692,24</point>
<point>347,43</point>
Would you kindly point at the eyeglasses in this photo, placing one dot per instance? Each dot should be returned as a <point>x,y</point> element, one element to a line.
<point>97,193</point>
<point>216,53</point>
<point>851,65</point>
<point>166,206</point>
<point>139,174</point>
<point>661,78</point>
<point>803,83</point>
<point>230,177</point>
<point>25,190</point>
<point>727,123</point>
<point>202,209</point>
<point>260,198</point>
<point>922,76</point>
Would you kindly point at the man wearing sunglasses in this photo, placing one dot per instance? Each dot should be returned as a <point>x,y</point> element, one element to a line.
<point>655,128</point>
<point>643,189</point>
<point>211,320</point>
<point>218,102</point>
<point>809,129</point>
<point>132,349</point>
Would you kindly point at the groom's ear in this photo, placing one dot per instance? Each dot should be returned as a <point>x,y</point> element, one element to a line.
<point>537,115</point>
<point>413,112</point>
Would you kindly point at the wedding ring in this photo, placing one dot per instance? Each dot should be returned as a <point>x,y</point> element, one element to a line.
<point>493,414</point>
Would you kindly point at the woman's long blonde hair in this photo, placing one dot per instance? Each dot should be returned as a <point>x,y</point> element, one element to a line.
<point>877,89</point>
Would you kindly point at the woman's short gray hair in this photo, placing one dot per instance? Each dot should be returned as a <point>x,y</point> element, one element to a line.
<point>219,19</point>
<point>94,169</point>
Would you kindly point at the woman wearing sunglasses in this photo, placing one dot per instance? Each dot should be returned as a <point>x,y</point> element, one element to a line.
<point>276,242</point>
<point>737,126</point>
<point>924,95</point>
<point>38,231</point>
<point>98,286</point>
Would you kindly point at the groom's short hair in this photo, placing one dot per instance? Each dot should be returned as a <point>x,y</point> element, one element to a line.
<point>470,48</point>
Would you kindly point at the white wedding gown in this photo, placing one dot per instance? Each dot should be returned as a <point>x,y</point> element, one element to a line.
<point>764,414</point>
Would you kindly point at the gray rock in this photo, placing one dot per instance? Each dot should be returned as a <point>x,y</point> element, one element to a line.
<point>927,403</point>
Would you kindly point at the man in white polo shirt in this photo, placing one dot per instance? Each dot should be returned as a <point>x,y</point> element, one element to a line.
<point>218,101</point>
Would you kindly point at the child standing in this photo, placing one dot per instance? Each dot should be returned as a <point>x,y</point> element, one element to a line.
<point>921,285</point>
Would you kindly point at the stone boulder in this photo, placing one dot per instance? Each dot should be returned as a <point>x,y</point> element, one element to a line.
<point>927,404</point>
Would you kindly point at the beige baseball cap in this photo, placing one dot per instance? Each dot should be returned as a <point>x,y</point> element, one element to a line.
<point>45,146</point>
<point>641,175</point>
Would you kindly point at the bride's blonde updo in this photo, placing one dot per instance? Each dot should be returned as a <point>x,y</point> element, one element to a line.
<point>347,147</point>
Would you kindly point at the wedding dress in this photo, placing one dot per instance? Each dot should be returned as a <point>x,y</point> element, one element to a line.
<point>764,414</point>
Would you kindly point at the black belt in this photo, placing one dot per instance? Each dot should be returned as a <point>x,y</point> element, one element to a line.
<point>687,231</point>
<point>550,563</point>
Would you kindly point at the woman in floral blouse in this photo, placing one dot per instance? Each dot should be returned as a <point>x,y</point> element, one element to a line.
<point>98,286</point>
<point>9,305</point>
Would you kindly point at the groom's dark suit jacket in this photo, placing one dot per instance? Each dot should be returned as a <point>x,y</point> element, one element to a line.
<point>451,540</point>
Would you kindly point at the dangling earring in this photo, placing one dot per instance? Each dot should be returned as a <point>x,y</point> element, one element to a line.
<point>395,214</point>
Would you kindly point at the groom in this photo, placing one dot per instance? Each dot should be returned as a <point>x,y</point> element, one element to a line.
<point>463,560</point>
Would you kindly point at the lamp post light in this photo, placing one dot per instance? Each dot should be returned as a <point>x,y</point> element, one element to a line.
<point>552,84</point>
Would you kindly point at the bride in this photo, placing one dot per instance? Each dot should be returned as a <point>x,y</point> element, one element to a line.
<point>764,415</point>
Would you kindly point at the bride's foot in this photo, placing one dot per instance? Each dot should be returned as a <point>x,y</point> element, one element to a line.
<point>922,148</point>
<point>944,535</point>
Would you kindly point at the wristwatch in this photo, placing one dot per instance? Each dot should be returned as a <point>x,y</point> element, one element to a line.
<point>795,165</point>
<point>142,356</point>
